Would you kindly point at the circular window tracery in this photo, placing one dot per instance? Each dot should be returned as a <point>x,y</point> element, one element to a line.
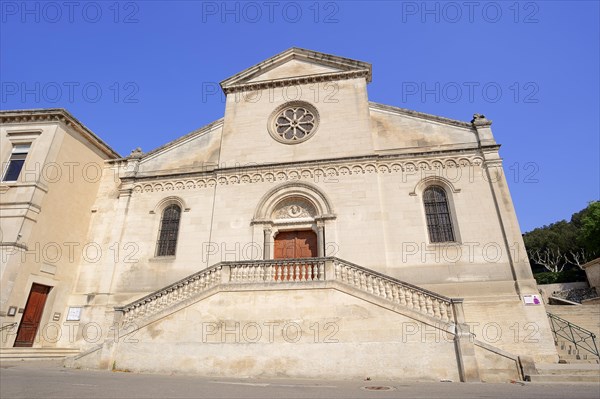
<point>294,122</point>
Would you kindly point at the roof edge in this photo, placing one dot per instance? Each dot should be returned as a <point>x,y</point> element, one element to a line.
<point>420,115</point>
<point>204,129</point>
<point>59,115</point>
<point>345,64</point>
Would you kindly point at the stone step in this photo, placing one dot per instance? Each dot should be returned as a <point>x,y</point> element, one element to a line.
<point>565,378</point>
<point>568,369</point>
<point>567,373</point>
<point>36,353</point>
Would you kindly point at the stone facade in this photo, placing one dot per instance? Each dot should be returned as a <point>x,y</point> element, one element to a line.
<point>46,211</point>
<point>301,148</point>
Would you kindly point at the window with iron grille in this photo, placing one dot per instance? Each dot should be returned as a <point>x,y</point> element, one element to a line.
<point>169,229</point>
<point>437,211</point>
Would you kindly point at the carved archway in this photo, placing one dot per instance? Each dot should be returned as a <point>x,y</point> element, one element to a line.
<point>293,206</point>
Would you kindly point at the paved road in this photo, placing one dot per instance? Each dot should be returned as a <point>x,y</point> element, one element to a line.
<point>48,379</point>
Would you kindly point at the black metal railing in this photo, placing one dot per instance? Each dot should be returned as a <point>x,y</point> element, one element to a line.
<point>581,338</point>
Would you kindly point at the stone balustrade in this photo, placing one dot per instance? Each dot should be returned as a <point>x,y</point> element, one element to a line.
<point>168,296</point>
<point>396,291</point>
<point>278,271</point>
<point>297,271</point>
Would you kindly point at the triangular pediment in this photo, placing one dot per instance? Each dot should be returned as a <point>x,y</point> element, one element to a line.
<point>295,65</point>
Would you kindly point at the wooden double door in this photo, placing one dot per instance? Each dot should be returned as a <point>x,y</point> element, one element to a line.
<point>296,244</point>
<point>32,315</point>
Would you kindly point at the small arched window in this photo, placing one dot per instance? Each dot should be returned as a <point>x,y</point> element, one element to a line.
<point>169,229</point>
<point>437,211</point>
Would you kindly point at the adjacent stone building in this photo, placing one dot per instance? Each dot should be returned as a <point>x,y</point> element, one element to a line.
<point>307,233</point>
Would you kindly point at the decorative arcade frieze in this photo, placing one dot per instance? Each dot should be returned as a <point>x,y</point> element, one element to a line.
<point>323,173</point>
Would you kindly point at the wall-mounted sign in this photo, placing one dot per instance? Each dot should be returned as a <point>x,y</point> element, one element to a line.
<point>74,314</point>
<point>12,311</point>
<point>532,300</point>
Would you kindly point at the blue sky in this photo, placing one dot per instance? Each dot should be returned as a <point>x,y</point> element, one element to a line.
<point>142,73</point>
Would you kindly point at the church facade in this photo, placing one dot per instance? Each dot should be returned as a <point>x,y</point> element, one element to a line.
<point>307,233</point>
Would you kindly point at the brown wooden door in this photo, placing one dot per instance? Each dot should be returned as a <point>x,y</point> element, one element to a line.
<point>32,315</point>
<point>291,245</point>
<point>295,244</point>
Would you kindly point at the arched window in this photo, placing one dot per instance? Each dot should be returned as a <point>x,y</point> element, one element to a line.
<point>169,229</point>
<point>437,211</point>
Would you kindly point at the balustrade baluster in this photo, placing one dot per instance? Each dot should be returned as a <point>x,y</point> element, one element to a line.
<point>428,306</point>
<point>355,278</point>
<point>321,271</point>
<point>422,303</point>
<point>279,273</point>
<point>449,312</point>
<point>443,312</point>
<point>436,308</point>
<point>402,295</point>
<point>270,273</point>
<point>370,284</point>
<point>388,291</point>
<point>408,297</point>
<point>395,293</point>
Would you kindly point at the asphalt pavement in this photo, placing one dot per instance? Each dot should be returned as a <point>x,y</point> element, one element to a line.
<point>49,379</point>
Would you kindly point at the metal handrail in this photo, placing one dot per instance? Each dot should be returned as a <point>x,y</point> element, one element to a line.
<point>8,325</point>
<point>578,336</point>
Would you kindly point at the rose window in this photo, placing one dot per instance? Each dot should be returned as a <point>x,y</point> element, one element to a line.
<point>294,123</point>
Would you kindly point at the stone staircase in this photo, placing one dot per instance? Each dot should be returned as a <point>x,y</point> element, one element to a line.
<point>421,305</point>
<point>12,354</point>
<point>576,364</point>
<point>568,353</point>
<point>584,316</point>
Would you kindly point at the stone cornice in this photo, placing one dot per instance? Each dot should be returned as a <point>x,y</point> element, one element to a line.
<point>420,115</point>
<point>298,80</point>
<point>56,115</point>
<point>323,170</point>
<point>328,60</point>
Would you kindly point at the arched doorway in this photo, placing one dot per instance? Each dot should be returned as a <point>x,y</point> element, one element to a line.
<point>293,217</point>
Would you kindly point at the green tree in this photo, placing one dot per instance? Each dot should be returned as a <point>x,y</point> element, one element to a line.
<point>565,244</point>
<point>589,237</point>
